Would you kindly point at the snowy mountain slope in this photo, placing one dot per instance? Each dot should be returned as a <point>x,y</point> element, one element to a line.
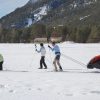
<point>49,11</point>
<point>39,13</point>
<point>71,12</point>
<point>24,80</point>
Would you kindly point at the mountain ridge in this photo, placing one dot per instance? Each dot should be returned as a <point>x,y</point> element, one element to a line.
<point>53,12</point>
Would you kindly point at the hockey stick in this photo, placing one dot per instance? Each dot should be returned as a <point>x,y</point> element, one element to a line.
<point>32,59</point>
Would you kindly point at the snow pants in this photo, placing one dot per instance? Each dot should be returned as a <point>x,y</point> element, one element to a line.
<point>1,65</point>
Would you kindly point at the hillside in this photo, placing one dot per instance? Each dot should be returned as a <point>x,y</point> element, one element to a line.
<point>80,14</point>
<point>74,12</point>
<point>72,20</point>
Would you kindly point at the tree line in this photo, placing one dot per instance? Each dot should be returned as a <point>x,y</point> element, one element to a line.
<point>79,34</point>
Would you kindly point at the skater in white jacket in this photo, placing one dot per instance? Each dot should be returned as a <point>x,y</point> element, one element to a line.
<point>42,60</point>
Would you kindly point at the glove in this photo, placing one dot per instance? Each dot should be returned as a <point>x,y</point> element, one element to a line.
<point>49,46</point>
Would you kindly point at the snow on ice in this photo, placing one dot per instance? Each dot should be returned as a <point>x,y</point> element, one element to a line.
<point>22,80</point>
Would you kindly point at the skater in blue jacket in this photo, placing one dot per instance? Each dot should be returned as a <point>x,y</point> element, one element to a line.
<point>56,49</point>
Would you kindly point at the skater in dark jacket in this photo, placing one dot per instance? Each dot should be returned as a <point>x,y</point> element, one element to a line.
<point>1,62</point>
<point>42,60</point>
<point>56,49</point>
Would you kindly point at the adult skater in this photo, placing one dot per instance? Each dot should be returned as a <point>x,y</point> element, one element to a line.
<point>43,52</point>
<point>56,49</point>
<point>1,62</point>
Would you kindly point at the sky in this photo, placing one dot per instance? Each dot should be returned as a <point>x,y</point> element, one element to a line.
<point>7,6</point>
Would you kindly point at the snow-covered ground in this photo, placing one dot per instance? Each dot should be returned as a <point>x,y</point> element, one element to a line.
<point>22,80</point>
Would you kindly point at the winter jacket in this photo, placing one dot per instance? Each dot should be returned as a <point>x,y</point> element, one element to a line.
<point>56,49</point>
<point>94,63</point>
<point>95,59</point>
<point>42,51</point>
<point>1,58</point>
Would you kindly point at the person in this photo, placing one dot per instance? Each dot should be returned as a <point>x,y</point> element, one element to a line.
<point>56,49</point>
<point>1,62</point>
<point>43,52</point>
<point>94,62</point>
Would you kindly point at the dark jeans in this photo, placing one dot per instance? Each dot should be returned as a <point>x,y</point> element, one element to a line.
<point>1,68</point>
<point>42,62</point>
